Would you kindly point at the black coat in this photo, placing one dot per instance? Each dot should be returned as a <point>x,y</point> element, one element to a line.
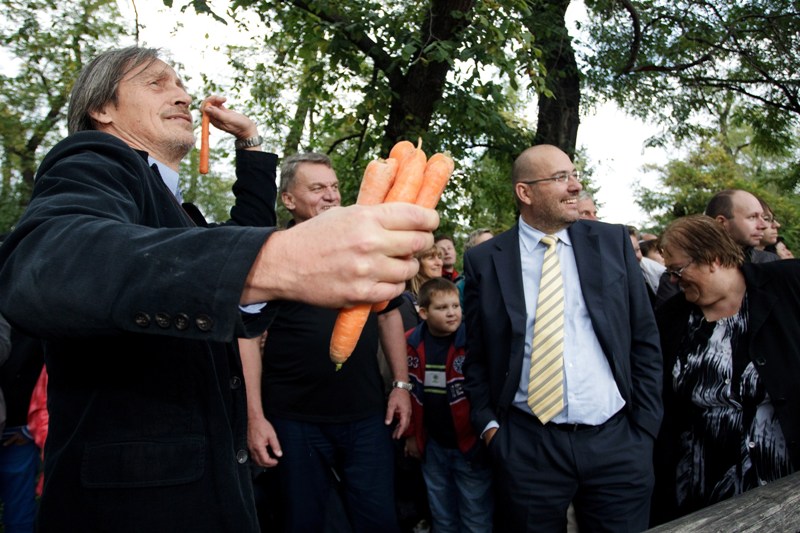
<point>773,293</point>
<point>138,310</point>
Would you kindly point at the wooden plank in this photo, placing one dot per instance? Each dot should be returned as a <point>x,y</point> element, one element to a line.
<point>775,507</point>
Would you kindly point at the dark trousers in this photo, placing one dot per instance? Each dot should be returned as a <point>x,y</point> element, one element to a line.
<point>359,453</point>
<point>606,471</point>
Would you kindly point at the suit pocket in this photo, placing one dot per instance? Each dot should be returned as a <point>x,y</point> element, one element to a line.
<point>154,463</point>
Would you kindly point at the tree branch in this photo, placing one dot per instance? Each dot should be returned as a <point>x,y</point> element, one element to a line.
<point>636,41</point>
<point>370,48</point>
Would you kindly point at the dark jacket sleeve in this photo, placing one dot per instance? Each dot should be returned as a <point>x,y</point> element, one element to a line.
<point>646,365</point>
<point>103,247</point>
<point>255,189</point>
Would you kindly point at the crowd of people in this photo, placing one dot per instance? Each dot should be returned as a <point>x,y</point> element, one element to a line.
<point>576,375</point>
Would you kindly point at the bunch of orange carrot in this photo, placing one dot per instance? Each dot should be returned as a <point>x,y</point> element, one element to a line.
<point>407,175</point>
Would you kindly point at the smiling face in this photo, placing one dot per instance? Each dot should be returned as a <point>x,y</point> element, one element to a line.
<point>548,206</point>
<point>696,280</point>
<point>315,189</point>
<point>151,113</point>
<point>430,263</point>
<point>443,314</point>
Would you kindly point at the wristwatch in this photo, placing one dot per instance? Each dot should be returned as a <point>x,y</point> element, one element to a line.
<point>402,385</point>
<point>249,142</point>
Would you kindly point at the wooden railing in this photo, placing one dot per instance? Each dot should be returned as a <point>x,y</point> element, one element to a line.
<point>773,508</point>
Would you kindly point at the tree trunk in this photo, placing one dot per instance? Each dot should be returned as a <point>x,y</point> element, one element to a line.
<point>559,116</point>
<point>416,93</point>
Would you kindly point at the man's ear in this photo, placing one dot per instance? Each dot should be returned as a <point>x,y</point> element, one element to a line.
<point>523,193</point>
<point>423,313</point>
<point>102,116</point>
<point>288,200</point>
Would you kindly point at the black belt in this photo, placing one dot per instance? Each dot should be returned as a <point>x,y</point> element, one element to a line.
<point>584,427</point>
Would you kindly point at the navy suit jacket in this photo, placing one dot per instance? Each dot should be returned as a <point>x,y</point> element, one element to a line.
<point>618,305</point>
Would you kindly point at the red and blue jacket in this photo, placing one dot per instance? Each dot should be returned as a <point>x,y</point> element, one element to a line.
<point>459,405</point>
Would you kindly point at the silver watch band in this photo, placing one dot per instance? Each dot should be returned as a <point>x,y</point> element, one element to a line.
<point>249,142</point>
<point>402,385</point>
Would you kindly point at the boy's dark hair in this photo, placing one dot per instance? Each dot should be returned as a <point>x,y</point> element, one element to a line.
<point>433,286</point>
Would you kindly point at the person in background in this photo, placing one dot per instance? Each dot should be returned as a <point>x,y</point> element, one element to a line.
<point>441,436</point>
<point>588,436</point>
<point>586,208</point>
<point>651,270</point>
<point>39,420</point>
<point>479,236</point>
<point>19,455</point>
<point>412,498</point>
<point>315,422</point>
<point>447,245</point>
<point>771,233</point>
<point>649,248</point>
<point>430,266</point>
<point>5,353</point>
<point>741,215</point>
<point>731,369</point>
<point>139,308</point>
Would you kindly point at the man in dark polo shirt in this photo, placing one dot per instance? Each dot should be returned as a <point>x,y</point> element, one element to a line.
<point>317,423</point>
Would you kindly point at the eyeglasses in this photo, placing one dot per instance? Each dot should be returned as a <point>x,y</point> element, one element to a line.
<point>679,272</point>
<point>560,177</point>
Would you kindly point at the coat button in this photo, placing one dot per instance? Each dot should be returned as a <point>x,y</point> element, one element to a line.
<point>236,382</point>
<point>181,321</point>
<point>241,457</point>
<point>141,319</point>
<point>163,320</point>
<point>204,322</point>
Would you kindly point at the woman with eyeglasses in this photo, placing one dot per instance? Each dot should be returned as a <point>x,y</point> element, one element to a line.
<point>731,351</point>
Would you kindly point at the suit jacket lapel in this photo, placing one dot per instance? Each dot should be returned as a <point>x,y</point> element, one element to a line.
<point>586,248</point>
<point>507,263</point>
<point>506,259</point>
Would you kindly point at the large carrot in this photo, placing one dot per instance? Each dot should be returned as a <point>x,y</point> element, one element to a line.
<point>379,176</point>
<point>438,170</point>
<point>204,149</point>
<point>350,322</point>
<point>378,179</point>
<point>401,149</point>
<point>409,177</point>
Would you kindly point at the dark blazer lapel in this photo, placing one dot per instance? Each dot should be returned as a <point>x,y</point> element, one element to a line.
<point>506,259</point>
<point>508,268</point>
<point>586,248</point>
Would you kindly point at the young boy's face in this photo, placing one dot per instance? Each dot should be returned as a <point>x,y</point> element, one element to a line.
<point>443,315</point>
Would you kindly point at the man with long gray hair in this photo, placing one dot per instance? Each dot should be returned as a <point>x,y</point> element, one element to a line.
<point>139,308</point>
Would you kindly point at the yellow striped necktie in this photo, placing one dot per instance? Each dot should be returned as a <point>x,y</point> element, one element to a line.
<point>546,380</point>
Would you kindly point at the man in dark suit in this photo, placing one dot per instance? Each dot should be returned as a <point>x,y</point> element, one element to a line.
<point>595,445</point>
<point>139,308</point>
